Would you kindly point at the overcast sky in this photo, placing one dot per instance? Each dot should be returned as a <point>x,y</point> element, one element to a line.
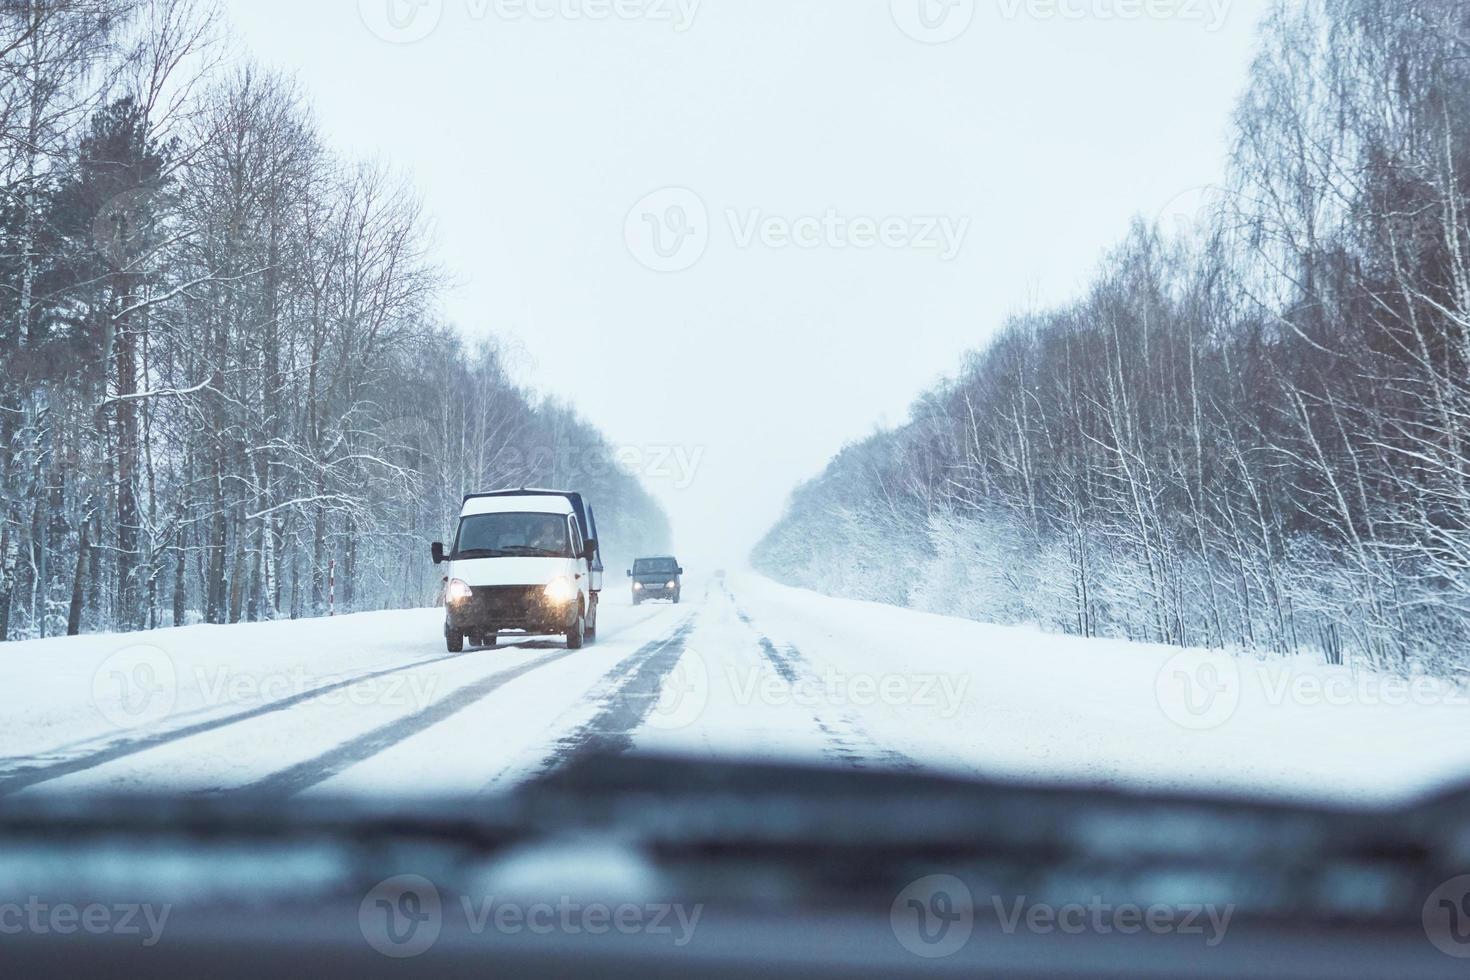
<point>741,233</point>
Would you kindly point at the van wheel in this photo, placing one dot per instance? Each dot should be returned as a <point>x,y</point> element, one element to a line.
<point>591,630</point>
<point>578,633</point>
<point>636,599</point>
<point>676,598</point>
<point>454,640</point>
<point>489,640</point>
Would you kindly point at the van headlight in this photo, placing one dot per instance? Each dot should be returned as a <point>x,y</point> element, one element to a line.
<point>560,590</point>
<point>670,585</point>
<point>458,591</point>
<point>637,586</point>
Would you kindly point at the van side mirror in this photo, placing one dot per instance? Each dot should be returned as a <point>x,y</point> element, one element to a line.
<point>629,573</point>
<point>589,548</point>
<point>680,570</point>
<point>436,551</point>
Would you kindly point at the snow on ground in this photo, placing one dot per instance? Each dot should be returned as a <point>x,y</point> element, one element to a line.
<point>69,692</point>
<point>1013,701</point>
<point>743,667</point>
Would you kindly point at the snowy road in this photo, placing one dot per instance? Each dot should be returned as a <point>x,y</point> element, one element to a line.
<point>372,703</point>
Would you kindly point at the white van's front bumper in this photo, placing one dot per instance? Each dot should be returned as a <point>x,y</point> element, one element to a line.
<point>501,608</point>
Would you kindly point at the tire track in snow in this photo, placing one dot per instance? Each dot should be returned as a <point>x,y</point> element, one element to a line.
<point>848,742</point>
<point>625,702</point>
<point>839,743</point>
<point>15,780</point>
<point>304,775</point>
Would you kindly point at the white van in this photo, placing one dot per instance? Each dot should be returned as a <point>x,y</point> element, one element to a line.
<point>525,561</point>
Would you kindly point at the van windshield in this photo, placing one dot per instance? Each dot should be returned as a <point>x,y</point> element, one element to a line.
<point>654,566</point>
<point>505,535</point>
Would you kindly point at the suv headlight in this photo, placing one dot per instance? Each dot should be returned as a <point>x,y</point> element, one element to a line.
<point>560,590</point>
<point>458,591</point>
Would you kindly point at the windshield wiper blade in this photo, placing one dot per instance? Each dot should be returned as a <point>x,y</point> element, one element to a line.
<point>476,553</point>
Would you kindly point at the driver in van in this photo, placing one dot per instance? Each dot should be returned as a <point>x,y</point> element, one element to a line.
<point>551,535</point>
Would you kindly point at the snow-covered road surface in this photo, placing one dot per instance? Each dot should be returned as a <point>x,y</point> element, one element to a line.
<point>372,703</point>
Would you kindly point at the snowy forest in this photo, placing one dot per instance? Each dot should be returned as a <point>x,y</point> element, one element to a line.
<point>1253,433</point>
<point>223,369</point>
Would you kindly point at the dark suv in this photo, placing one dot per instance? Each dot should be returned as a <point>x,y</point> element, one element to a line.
<point>657,577</point>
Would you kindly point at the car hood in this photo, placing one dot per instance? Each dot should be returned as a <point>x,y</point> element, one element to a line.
<point>510,571</point>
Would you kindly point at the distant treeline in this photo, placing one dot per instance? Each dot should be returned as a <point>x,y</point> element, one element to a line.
<point>1253,435</point>
<point>221,367</point>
